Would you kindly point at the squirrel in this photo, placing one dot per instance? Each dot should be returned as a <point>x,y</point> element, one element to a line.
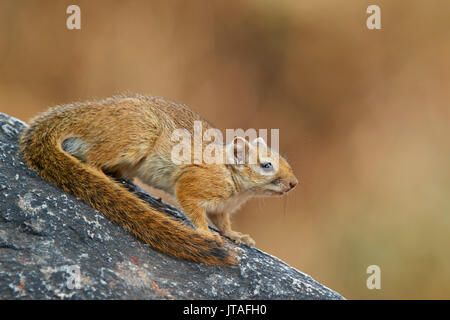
<point>79,146</point>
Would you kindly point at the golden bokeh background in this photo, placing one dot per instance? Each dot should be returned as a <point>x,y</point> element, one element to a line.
<point>363,114</point>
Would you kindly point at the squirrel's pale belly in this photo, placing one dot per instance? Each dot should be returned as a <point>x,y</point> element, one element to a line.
<point>230,205</point>
<point>158,172</point>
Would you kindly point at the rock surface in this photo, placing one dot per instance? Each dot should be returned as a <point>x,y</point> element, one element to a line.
<point>48,238</point>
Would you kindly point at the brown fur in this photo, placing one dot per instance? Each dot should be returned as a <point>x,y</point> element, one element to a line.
<point>129,136</point>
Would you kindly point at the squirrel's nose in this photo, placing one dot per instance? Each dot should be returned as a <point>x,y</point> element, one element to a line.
<point>293,183</point>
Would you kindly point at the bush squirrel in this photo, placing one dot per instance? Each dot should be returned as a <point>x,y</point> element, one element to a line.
<point>76,145</point>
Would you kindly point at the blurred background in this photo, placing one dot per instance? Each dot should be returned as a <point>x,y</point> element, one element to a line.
<point>363,114</point>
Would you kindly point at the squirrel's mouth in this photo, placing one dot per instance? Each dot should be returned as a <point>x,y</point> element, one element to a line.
<point>286,190</point>
<point>278,193</point>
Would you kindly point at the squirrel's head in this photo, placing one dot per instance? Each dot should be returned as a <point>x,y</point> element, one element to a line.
<point>258,168</point>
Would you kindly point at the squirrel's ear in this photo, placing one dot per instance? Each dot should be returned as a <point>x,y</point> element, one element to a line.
<point>260,141</point>
<point>237,151</point>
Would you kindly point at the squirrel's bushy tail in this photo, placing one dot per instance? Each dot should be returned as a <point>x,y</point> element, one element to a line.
<point>40,146</point>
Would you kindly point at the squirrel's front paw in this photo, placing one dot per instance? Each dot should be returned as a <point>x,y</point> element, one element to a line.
<point>239,238</point>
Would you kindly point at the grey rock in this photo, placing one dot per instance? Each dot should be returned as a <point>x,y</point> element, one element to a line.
<point>47,236</point>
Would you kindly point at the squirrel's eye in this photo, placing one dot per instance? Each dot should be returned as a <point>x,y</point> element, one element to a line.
<point>266,165</point>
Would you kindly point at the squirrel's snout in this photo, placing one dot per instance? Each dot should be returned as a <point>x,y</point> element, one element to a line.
<point>290,184</point>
